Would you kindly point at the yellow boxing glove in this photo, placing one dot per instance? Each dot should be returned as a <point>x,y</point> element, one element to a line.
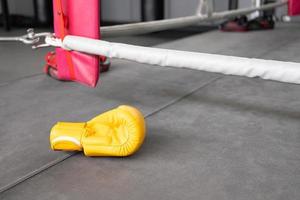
<point>118,132</point>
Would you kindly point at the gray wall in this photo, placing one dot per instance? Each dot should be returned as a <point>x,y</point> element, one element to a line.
<point>23,7</point>
<point>121,10</point>
<point>129,10</point>
<point>180,8</point>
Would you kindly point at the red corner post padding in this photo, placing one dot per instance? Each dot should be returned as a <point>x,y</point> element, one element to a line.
<point>81,18</point>
<point>294,7</point>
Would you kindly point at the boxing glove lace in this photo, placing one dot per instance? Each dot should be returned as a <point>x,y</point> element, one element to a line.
<point>118,132</point>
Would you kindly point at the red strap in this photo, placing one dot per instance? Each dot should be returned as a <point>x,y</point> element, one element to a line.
<point>62,32</point>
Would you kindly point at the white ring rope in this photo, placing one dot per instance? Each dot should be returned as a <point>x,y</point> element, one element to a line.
<point>266,69</point>
<point>166,24</point>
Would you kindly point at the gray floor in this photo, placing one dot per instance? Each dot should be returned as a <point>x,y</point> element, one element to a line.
<point>209,136</point>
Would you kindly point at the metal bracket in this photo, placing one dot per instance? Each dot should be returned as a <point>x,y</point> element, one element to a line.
<point>31,38</point>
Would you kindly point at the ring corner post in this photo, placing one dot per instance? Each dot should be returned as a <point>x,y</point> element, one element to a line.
<point>293,7</point>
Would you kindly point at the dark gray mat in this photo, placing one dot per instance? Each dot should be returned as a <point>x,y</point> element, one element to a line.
<point>19,60</point>
<point>183,155</point>
<point>234,139</point>
<point>257,44</point>
<point>29,108</point>
<point>30,102</point>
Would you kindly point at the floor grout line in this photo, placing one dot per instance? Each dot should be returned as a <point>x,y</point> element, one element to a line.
<point>183,97</point>
<point>35,172</point>
<point>67,156</point>
<point>6,83</point>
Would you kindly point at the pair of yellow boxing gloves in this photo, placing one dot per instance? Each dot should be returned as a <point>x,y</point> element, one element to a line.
<point>118,132</point>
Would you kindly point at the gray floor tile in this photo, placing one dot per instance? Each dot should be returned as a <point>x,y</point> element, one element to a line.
<point>247,44</point>
<point>19,60</point>
<point>29,107</point>
<point>236,138</point>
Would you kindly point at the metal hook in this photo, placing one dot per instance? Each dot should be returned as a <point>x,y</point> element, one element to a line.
<point>30,38</point>
<point>35,39</point>
<point>26,39</point>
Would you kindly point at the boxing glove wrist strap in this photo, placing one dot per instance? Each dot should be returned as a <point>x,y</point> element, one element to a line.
<point>67,136</point>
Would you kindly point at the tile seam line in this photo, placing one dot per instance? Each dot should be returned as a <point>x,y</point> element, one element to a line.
<point>7,83</point>
<point>176,100</point>
<point>34,173</point>
<point>67,156</point>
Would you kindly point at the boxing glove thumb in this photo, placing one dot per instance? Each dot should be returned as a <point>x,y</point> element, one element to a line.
<point>118,132</point>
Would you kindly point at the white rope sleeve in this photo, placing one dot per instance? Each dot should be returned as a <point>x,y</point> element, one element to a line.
<point>266,69</point>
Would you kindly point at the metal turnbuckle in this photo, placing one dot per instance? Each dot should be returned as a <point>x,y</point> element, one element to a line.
<point>32,38</point>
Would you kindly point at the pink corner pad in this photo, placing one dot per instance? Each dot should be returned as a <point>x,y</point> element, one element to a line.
<point>81,18</point>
